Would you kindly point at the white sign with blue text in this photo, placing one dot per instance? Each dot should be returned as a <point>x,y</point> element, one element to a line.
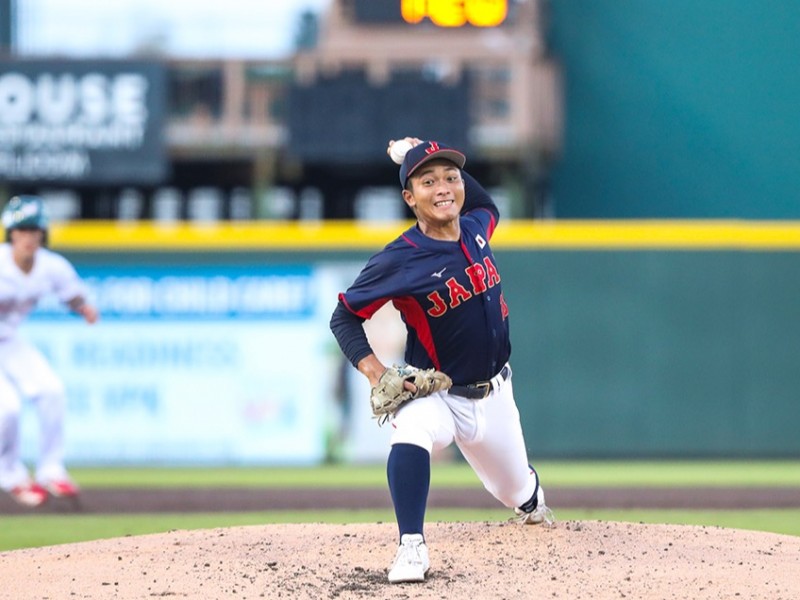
<point>192,365</point>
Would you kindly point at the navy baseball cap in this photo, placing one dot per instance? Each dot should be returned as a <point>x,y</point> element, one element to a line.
<point>427,151</point>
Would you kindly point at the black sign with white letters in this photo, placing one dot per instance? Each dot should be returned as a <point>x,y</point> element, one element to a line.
<point>84,122</point>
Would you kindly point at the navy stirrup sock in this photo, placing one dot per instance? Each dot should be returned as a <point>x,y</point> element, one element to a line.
<point>409,473</point>
<point>531,504</point>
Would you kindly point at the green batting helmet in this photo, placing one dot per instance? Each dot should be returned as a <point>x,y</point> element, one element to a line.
<point>24,212</point>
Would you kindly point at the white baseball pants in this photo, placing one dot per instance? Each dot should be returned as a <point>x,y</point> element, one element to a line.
<point>26,374</point>
<point>488,432</point>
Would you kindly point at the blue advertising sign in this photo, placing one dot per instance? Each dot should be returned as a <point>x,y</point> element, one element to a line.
<point>192,365</point>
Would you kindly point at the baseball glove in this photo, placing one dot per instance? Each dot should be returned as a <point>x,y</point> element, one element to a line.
<point>390,393</point>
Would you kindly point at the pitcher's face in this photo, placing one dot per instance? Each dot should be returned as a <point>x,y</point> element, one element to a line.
<point>437,193</point>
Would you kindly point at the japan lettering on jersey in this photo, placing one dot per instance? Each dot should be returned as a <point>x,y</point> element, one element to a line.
<point>482,276</point>
<point>449,295</point>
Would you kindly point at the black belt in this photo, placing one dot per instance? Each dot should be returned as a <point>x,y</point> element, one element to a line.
<point>481,389</point>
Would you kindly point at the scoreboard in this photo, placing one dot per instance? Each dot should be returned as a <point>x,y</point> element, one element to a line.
<point>442,13</point>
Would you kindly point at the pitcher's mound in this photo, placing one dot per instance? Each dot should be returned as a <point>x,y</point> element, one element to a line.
<point>475,561</point>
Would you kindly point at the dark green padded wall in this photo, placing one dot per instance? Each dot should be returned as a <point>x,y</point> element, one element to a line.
<point>678,109</point>
<point>657,353</point>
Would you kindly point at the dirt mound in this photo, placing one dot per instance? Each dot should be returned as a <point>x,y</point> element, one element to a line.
<point>574,560</point>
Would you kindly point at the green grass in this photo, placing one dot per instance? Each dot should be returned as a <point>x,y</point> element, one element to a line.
<point>456,474</point>
<point>673,473</point>
<point>779,520</point>
<point>46,529</point>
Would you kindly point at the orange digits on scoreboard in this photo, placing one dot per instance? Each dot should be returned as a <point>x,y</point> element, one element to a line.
<point>413,11</point>
<point>455,13</point>
<point>486,13</point>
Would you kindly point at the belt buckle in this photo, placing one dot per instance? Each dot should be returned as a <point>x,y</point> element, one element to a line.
<point>486,386</point>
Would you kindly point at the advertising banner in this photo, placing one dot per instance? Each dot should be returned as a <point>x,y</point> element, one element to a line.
<point>214,365</point>
<point>83,122</point>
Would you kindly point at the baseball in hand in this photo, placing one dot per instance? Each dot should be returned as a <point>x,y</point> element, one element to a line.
<point>398,151</point>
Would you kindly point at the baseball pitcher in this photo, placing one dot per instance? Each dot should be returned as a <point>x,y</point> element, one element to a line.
<point>456,387</point>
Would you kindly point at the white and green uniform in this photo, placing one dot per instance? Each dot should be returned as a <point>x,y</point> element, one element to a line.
<point>24,372</point>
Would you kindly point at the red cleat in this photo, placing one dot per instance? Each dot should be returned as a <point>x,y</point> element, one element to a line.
<point>63,488</point>
<point>29,494</point>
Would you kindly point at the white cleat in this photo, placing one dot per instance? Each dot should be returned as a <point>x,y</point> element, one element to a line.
<point>411,561</point>
<point>540,514</point>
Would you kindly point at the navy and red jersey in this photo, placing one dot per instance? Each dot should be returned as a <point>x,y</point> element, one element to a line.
<point>449,295</point>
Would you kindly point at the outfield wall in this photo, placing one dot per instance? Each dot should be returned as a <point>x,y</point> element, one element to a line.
<point>629,339</point>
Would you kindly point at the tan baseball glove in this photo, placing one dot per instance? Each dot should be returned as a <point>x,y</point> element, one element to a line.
<point>390,393</point>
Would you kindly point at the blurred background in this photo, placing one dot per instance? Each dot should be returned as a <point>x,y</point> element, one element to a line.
<point>644,156</point>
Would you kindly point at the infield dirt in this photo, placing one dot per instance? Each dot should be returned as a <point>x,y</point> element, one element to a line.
<point>574,560</point>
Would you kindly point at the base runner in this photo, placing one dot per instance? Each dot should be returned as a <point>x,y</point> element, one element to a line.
<point>29,271</point>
